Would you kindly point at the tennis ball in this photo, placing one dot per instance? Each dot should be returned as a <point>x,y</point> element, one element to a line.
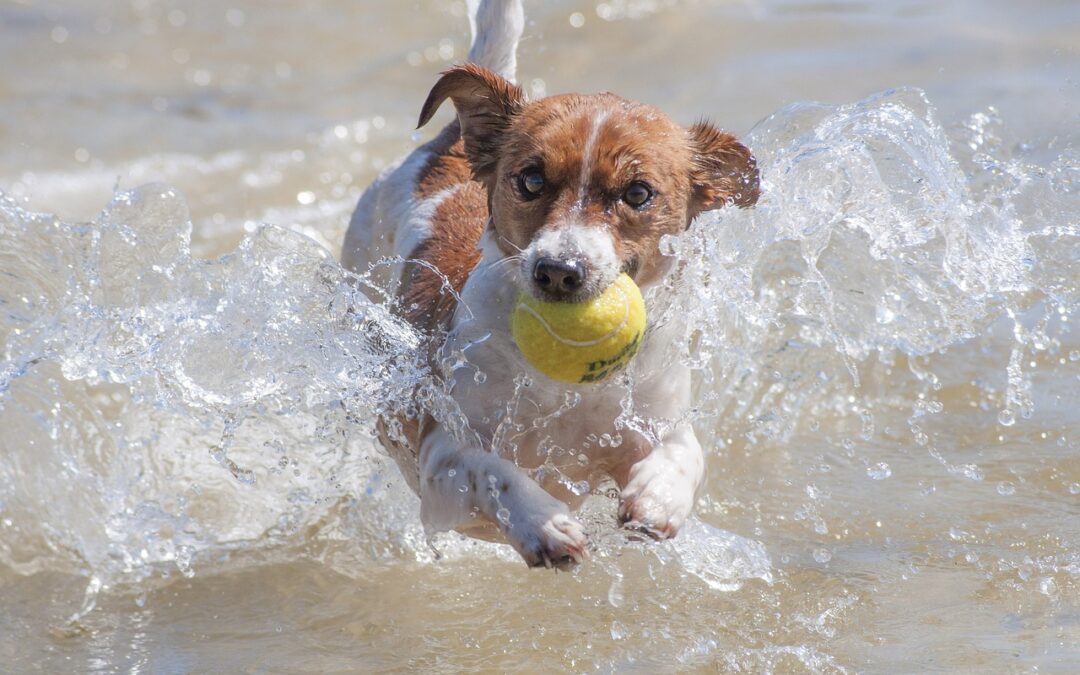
<point>578,342</point>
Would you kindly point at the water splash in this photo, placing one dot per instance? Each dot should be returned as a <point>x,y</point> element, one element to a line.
<point>134,373</point>
<point>724,561</point>
<point>878,238</point>
<point>190,408</point>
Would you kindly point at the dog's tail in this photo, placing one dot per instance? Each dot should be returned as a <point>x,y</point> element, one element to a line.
<point>496,28</point>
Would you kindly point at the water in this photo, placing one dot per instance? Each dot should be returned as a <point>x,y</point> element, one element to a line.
<point>887,362</point>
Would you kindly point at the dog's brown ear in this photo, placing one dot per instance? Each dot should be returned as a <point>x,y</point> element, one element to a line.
<point>485,105</point>
<point>723,171</point>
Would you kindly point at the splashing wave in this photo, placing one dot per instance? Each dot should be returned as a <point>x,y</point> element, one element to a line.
<point>157,408</point>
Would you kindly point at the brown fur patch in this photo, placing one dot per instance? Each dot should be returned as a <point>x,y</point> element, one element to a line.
<point>426,302</point>
<point>590,150</point>
<point>446,167</point>
<point>626,142</point>
<point>449,255</point>
<point>486,104</point>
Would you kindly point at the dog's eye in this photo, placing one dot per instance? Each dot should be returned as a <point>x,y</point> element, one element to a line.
<point>637,195</point>
<point>531,183</point>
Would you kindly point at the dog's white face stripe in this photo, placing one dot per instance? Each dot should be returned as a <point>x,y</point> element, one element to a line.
<point>592,245</point>
<point>588,156</point>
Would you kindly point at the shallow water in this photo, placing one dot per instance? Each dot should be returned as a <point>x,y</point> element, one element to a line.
<point>888,369</point>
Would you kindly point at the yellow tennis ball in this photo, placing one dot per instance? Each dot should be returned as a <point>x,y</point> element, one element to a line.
<point>579,342</point>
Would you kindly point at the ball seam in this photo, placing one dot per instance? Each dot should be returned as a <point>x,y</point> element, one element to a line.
<point>583,343</point>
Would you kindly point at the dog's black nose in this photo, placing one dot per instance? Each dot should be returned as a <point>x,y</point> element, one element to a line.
<point>559,277</point>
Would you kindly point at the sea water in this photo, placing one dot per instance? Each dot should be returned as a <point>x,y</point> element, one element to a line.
<point>886,373</point>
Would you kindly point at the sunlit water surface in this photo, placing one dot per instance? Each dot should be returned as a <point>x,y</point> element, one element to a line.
<point>886,357</point>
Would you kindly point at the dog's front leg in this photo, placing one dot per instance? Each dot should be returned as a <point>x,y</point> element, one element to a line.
<point>459,486</point>
<point>660,489</point>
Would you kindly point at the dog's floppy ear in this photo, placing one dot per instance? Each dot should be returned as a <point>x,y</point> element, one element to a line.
<point>723,170</point>
<point>485,105</point>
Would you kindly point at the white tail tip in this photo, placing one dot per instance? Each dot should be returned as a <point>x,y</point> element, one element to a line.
<point>496,28</point>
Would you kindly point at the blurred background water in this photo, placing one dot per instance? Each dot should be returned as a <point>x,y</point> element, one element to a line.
<point>888,372</point>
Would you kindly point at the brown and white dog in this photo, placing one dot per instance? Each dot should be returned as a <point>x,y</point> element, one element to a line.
<point>553,197</point>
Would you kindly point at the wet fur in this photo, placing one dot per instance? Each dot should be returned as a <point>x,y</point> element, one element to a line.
<point>455,205</point>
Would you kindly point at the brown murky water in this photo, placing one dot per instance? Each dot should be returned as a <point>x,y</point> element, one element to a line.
<point>911,524</point>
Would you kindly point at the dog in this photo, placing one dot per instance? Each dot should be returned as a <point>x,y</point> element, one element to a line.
<point>554,197</point>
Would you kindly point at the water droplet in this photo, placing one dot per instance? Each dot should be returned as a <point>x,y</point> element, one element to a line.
<point>879,471</point>
<point>618,631</point>
<point>503,515</point>
<point>1005,488</point>
<point>1006,418</point>
<point>615,592</point>
<point>184,554</point>
<point>970,471</point>
<point>822,555</point>
<point>1047,586</point>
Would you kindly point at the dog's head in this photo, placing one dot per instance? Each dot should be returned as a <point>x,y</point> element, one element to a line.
<point>581,188</point>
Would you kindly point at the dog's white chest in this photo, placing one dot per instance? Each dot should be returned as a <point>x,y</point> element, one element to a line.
<point>510,405</point>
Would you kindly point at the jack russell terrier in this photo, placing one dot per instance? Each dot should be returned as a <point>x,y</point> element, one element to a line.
<point>554,197</point>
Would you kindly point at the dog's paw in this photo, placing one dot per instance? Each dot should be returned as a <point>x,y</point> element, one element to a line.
<point>657,500</point>
<point>557,540</point>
